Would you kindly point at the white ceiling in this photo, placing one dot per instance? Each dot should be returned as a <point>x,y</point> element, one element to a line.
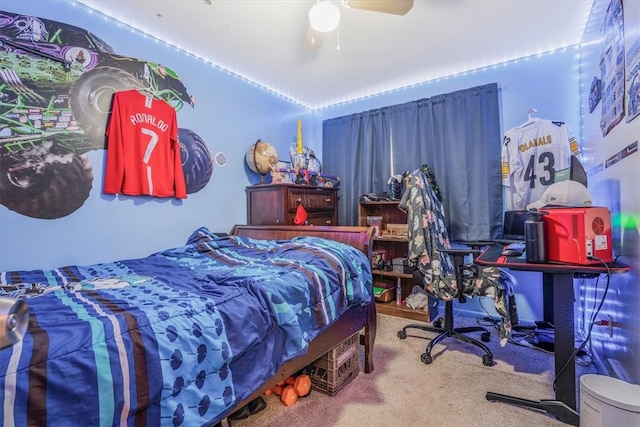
<point>263,40</point>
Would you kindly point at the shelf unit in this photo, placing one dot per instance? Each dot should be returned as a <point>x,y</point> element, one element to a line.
<point>393,247</point>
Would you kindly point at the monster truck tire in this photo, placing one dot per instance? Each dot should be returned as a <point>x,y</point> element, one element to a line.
<point>197,163</point>
<point>53,193</point>
<point>91,95</point>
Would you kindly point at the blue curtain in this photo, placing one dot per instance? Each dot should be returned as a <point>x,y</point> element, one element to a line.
<point>456,134</point>
<point>360,148</point>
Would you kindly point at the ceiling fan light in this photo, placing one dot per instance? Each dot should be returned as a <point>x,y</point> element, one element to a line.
<point>324,16</point>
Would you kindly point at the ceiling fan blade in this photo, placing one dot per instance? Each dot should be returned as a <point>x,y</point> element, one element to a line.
<point>314,39</point>
<point>395,7</point>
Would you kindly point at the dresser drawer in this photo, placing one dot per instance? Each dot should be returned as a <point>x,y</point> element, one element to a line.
<point>314,200</point>
<point>320,218</point>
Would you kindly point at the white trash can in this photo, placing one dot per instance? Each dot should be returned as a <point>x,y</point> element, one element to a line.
<point>608,402</point>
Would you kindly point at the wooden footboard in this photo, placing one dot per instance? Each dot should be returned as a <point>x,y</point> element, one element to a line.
<point>354,320</point>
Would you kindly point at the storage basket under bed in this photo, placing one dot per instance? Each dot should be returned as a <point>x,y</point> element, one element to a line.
<point>337,368</point>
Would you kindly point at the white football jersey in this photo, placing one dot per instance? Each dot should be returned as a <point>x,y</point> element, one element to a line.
<point>531,155</point>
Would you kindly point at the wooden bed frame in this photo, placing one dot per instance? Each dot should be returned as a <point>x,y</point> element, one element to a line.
<point>354,320</point>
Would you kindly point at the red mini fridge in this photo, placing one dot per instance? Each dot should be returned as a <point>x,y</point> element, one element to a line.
<point>574,234</point>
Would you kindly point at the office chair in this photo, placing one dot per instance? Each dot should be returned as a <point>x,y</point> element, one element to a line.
<point>428,241</point>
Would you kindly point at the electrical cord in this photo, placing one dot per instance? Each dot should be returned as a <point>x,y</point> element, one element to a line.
<point>591,325</point>
<point>523,337</point>
<point>594,312</point>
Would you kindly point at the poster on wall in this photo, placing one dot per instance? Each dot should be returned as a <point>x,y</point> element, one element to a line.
<point>612,68</point>
<point>632,91</point>
<point>594,94</point>
<point>58,81</point>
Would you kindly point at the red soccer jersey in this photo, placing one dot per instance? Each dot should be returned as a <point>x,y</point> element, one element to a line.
<point>143,153</point>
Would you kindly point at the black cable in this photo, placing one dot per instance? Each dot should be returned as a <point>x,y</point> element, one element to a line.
<point>594,315</point>
<point>489,318</point>
<point>517,335</point>
<point>595,310</point>
<point>586,359</point>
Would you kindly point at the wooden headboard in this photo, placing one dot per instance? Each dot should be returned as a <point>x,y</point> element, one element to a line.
<point>359,237</point>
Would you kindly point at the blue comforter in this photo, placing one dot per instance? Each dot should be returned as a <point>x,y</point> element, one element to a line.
<point>176,338</point>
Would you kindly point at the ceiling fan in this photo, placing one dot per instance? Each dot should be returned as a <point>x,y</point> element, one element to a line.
<point>324,15</point>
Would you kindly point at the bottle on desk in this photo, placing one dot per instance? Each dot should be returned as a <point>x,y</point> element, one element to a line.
<point>535,246</point>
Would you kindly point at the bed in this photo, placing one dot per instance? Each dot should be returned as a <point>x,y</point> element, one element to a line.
<point>187,335</point>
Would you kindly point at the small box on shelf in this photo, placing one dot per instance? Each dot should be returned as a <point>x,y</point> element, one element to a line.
<point>376,223</point>
<point>382,294</point>
<point>397,230</point>
<point>401,265</point>
<point>378,258</point>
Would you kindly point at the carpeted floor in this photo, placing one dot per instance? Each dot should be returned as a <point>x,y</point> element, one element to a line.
<point>404,391</point>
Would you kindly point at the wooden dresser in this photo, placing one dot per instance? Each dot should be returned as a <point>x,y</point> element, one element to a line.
<point>277,204</point>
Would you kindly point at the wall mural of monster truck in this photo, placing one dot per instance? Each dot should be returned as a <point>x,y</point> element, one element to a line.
<point>56,86</point>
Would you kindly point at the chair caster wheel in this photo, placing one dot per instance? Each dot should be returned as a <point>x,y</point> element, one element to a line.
<point>426,358</point>
<point>402,334</point>
<point>437,323</point>
<point>487,360</point>
<point>485,337</point>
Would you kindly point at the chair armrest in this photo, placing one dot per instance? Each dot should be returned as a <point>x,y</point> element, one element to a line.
<point>475,244</point>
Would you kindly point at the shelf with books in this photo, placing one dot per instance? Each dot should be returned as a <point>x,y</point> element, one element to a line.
<point>390,243</point>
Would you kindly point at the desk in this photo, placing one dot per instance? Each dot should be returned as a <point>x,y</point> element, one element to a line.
<point>560,279</point>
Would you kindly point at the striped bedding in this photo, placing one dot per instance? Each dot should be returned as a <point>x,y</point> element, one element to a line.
<point>176,338</point>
